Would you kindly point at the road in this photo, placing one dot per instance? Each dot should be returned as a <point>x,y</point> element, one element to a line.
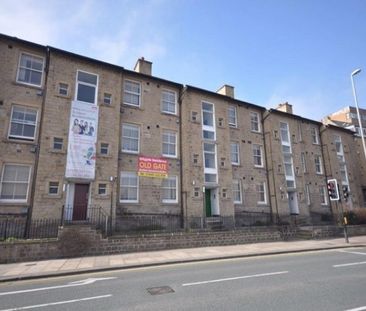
<point>327,280</point>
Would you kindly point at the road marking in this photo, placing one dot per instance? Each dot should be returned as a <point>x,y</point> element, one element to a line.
<point>72,284</point>
<point>349,252</point>
<point>58,303</point>
<point>350,264</point>
<point>236,278</point>
<point>357,309</point>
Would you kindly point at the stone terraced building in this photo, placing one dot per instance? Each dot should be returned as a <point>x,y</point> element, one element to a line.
<point>78,134</point>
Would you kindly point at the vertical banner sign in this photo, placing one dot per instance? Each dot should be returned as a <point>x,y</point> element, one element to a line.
<point>81,151</point>
<point>152,167</point>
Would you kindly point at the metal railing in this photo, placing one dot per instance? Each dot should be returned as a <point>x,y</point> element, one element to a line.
<point>176,223</point>
<point>92,216</point>
<point>16,228</point>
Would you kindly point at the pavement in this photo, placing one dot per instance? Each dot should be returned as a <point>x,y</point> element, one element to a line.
<point>70,266</point>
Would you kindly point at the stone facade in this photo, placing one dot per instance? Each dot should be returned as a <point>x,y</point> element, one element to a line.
<point>224,157</point>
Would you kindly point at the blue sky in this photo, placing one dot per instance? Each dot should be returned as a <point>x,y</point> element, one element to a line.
<point>271,51</point>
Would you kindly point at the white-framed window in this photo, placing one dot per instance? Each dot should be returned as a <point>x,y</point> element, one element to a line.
<point>23,123</point>
<point>14,185</point>
<point>318,164</point>
<point>130,138</point>
<point>303,162</point>
<point>102,189</point>
<point>53,187</point>
<point>86,87</point>
<point>254,122</point>
<point>237,197</point>
<point>209,157</point>
<point>169,102</point>
<point>323,195</point>
<point>314,136</point>
<point>30,69</point>
<point>129,187</point>
<point>132,93</point>
<point>107,99</point>
<point>285,135</point>
<point>58,143</point>
<point>104,148</point>
<point>63,89</point>
<point>231,112</point>
<point>261,193</point>
<point>169,189</point>
<point>307,194</point>
<point>258,155</point>
<point>208,121</point>
<point>234,151</point>
<point>169,141</point>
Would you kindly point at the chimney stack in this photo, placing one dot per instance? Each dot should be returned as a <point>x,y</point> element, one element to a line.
<point>285,107</point>
<point>143,66</point>
<point>226,90</point>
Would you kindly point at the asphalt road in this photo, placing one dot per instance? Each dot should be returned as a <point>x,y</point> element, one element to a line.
<point>328,280</point>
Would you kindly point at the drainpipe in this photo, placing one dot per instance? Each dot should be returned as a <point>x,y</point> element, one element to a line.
<point>35,168</point>
<point>267,170</point>
<point>183,194</point>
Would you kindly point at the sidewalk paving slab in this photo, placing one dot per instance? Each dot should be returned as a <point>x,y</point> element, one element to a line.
<point>70,266</point>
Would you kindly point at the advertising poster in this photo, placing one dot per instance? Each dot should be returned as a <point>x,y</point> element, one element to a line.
<point>152,167</point>
<point>81,151</point>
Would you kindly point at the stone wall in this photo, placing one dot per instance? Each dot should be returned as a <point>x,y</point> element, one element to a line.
<point>75,241</point>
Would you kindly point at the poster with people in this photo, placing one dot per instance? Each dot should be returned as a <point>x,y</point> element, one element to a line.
<point>81,151</point>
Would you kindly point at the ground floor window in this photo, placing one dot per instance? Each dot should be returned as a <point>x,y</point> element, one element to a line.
<point>15,182</point>
<point>169,190</point>
<point>129,189</point>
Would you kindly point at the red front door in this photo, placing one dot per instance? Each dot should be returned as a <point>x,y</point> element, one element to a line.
<point>80,202</point>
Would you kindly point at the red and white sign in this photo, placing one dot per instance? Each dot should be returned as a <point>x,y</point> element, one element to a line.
<point>152,167</point>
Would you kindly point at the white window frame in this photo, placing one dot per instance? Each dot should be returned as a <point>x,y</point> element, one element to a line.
<point>237,189</point>
<point>107,99</point>
<point>28,183</point>
<point>210,170</point>
<point>259,191</point>
<point>232,123</point>
<point>165,91</point>
<point>318,163</point>
<point>41,71</point>
<point>307,193</point>
<point>286,144</point>
<point>314,135</point>
<point>170,134</point>
<point>323,195</point>
<point>256,156</point>
<point>24,123</point>
<point>86,84</point>
<point>255,122</point>
<point>105,189</point>
<point>53,187</point>
<point>303,162</point>
<point>169,188</point>
<point>134,126</point>
<point>131,92</point>
<point>235,153</point>
<point>208,128</point>
<point>105,147</point>
<point>129,174</point>
<point>62,86</point>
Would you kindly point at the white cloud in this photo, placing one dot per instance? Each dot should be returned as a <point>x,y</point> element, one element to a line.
<point>114,32</point>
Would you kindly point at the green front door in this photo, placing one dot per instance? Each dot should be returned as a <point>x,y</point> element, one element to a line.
<point>208,202</point>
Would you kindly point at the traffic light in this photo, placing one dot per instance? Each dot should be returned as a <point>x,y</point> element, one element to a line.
<point>345,192</point>
<point>333,189</point>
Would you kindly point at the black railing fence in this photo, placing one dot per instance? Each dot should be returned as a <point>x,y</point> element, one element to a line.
<point>93,215</point>
<point>16,228</point>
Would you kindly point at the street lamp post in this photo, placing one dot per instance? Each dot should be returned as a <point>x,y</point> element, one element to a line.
<point>355,72</point>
